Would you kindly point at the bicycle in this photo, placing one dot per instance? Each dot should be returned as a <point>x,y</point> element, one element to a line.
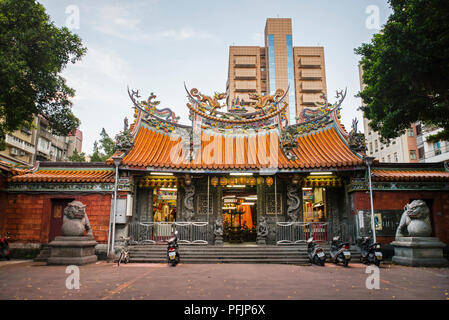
<point>124,253</point>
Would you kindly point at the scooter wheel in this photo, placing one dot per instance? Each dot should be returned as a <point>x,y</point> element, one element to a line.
<point>377,263</point>
<point>345,263</point>
<point>322,263</point>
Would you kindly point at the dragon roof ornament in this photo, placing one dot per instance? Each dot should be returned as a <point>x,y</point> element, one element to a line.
<point>149,108</point>
<point>267,110</point>
<point>312,119</point>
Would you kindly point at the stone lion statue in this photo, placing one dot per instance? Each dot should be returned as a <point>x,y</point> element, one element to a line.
<point>415,221</point>
<point>262,230</point>
<point>75,220</point>
<point>218,230</point>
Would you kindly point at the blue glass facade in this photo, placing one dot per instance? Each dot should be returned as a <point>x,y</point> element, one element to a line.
<point>291,81</point>
<point>271,64</point>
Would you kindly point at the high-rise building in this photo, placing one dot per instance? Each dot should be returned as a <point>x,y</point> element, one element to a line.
<point>277,65</point>
<point>25,146</point>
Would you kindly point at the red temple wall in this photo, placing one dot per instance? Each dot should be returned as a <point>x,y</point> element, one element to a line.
<point>27,216</point>
<point>396,200</point>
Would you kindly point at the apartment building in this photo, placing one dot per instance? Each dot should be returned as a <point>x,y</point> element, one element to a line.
<point>430,151</point>
<point>26,146</point>
<point>277,65</point>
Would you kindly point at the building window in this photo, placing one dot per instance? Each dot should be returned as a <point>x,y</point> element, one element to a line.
<point>371,148</point>
<point>291,81</point>
<point>418,130</point>
<point>396,157</point>
<point>389,158</point>
<point>412,154</point>
<point>410,132</point>
<point>383,159</point>
<point>437,148</point>
<point>376,145</point>
<point>421,153</point>
<point>271,63</point>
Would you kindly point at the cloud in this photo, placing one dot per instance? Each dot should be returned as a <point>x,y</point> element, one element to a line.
<point>119,22</point>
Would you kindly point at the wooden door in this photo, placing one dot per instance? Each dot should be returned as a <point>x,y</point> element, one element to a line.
<point>57,213</point>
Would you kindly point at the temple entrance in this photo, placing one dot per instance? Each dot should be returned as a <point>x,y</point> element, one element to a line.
<point>239,215</point>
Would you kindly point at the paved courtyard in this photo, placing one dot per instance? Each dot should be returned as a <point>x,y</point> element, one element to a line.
<point>31,280</point>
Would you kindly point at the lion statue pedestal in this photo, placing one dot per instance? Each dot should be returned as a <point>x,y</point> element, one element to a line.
<point>413,245</point>
<point>73,247</point>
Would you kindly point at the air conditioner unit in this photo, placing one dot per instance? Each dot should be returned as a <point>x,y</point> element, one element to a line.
<point>14,152</point>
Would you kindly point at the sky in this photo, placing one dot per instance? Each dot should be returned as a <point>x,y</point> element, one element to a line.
<point>157,45</point>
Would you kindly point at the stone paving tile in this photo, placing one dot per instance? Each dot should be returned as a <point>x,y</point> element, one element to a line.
<point>107,281</point>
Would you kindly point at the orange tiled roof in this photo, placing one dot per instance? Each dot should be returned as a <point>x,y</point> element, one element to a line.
<point>409,175</point>
<point>75,175</point>
<point>319,149</point>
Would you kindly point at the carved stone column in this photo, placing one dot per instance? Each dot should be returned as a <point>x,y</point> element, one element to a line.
<point>293,202</point>
<point>189,210</point>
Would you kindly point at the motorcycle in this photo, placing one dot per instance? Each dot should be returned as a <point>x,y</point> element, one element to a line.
<point>371,252</point>
<point>173,250</point>
<point>340,251</point>
<point>124,253</point>
<point>315,252</point>
<point>4,247</point>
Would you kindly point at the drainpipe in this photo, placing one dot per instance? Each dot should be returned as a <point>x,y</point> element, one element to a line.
<point>369,162</point>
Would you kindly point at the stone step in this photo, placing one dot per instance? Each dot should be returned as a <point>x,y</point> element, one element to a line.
<point>44,254</point>
<point>285,254</point>
<point>218,260</point>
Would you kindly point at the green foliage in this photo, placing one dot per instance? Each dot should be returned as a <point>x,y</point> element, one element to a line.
<point>33,53</point>
<point>77,157</point>
<point>105,150</point>
<point>406,69</point>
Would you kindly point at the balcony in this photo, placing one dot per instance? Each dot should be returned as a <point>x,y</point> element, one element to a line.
<point>311,74</point>
<point>245,86</point>
<point>245,61</point>
<point>311,98</point>
<point>310,62</point>
<point>245,74</point>
<point>20,144</point>
<point>312,86</point>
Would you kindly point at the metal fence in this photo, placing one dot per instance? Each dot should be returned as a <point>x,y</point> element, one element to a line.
<point>160,232</point>
<point>297,232</point>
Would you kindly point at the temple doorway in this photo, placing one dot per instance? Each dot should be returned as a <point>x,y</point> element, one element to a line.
<point>239,215</point>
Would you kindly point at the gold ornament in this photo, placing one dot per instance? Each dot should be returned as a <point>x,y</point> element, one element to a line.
<point>269,181</point>
<point>252,181</point>
<point>223,181</point>
<point>214,181</point>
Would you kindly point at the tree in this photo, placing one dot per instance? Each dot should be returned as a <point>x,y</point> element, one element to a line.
<point>33,53</point>
<point>406,69</point>
<point>77,157</point>
<point>105,151</point>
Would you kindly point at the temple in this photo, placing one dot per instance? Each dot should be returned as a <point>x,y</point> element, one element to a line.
<point>234,167</point>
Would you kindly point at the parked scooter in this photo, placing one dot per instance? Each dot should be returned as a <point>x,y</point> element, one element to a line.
<point>315,252</point>
<point>340,251</point>
<point>371,252</point>
<point>124,253</point>
<point>4,246</point>
<point>173,250</point>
